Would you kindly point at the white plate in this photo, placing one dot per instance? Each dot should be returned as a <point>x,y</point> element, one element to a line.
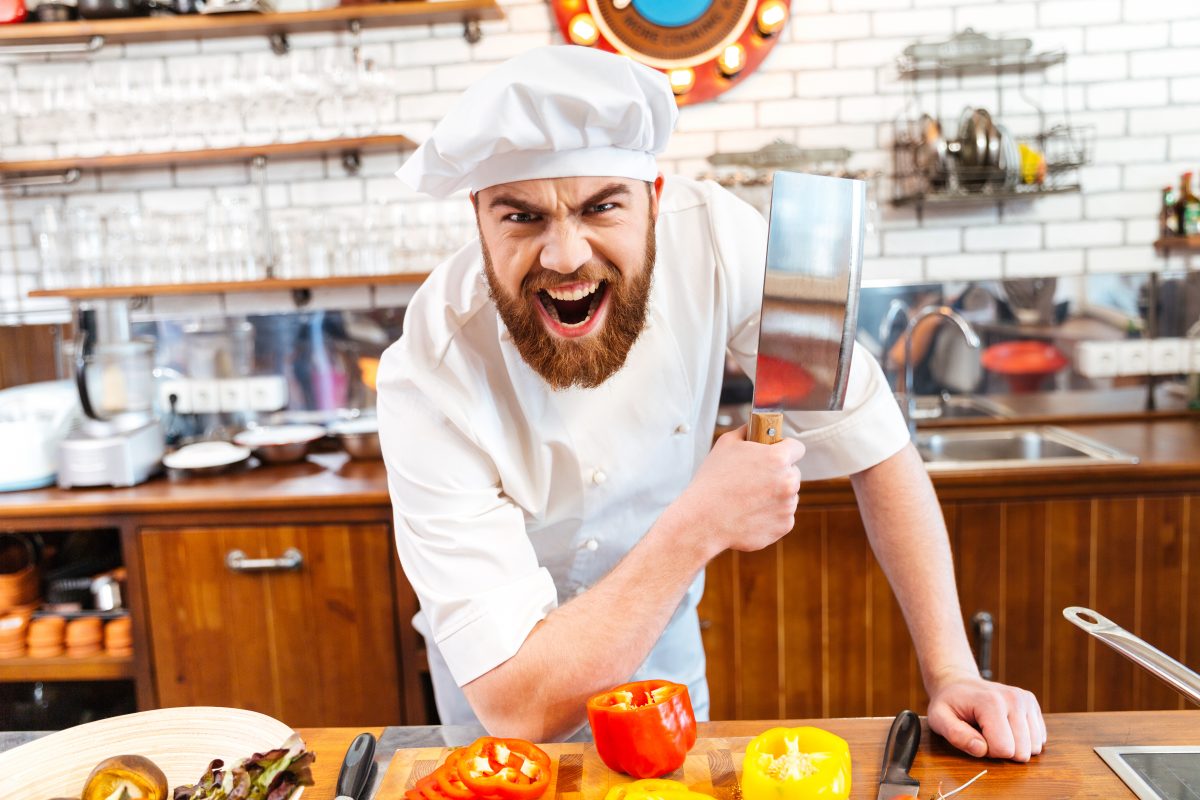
<point>279,434</point>
<point>360,425</point>
<point>205,455</point>
<point>181,741</point>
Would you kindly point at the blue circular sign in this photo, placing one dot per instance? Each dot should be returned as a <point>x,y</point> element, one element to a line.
<point>672,13</point>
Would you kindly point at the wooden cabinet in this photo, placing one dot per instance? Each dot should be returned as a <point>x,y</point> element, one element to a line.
<point>809,627</point>
<point>315,645</point>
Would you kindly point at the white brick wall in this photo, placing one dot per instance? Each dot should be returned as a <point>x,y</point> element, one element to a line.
<point>1133,69</point>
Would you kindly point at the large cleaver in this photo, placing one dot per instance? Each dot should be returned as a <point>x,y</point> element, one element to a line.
<point>810,298</point>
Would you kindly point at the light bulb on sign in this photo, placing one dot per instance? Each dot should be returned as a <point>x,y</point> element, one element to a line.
<point>682,80</point>
<point>731,60</point>
<point>771,16</point>
<point>583,30</point>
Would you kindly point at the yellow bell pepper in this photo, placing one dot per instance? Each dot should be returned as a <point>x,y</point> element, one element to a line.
<point>654,789</point>
<point>796,764</point>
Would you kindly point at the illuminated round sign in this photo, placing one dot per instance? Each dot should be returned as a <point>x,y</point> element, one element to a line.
<point>704,46</point>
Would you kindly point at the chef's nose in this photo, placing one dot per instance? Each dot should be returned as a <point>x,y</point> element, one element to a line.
<point>566,249</point>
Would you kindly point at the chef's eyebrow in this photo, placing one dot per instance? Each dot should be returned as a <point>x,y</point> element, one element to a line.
<point>607,193</point>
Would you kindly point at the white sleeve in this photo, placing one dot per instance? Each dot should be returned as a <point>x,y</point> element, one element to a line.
<point>461,541</point>
<point>870,428</point>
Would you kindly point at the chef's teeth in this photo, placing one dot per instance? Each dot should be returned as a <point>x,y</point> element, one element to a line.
<point>574,294</point>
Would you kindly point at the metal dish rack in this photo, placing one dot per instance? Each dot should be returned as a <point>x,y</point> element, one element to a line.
<point>933,164</point>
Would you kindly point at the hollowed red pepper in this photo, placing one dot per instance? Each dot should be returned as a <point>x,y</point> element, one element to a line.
<point>644,729</point>
<point>504,769</point>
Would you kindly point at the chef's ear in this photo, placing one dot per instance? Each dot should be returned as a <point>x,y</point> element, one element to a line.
<point>656,195</point>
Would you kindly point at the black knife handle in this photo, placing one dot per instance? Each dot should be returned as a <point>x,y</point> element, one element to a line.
<point>356,766</point>
<point>901,747</point>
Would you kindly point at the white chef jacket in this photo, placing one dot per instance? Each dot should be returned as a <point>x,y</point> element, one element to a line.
<point>510,498</point>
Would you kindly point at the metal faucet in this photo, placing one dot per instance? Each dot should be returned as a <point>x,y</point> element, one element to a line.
<point>946,312</point>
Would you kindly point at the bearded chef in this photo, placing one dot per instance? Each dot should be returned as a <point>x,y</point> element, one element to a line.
<point>546,420</point>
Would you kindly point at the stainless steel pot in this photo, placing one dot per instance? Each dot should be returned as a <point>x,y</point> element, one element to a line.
<point>1158,663</point>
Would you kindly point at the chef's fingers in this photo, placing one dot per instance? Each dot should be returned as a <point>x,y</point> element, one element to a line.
<point>1039,721</point>
<point>1037,737</point>
<point>794,480</point>
<point>992,716</point>
<point>1018,720</point>
<point>957,732</point>
<point>789,450</point>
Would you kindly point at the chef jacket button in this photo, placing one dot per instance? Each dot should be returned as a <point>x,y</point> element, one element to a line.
<point>598,476</point>
<point>591,544</point>
<point>683,427</point>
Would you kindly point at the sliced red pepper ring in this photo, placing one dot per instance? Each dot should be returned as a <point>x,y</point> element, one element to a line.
<point>428,788</point>
<point>447,778</point>
<point>504,769</point>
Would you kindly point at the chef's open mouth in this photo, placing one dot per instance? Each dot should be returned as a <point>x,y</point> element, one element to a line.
<point>573,306</point>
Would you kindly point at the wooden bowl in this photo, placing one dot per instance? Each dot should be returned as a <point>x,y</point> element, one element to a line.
<point>181,741</point>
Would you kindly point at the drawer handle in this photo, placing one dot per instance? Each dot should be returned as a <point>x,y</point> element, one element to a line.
<point>291,559</point>
<point>983,627</point>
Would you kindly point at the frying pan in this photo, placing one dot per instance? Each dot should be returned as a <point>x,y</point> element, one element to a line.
<point>109,9</point>
<point>1161,665</point>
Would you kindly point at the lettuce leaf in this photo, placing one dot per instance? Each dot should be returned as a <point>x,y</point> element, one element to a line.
<point>273,775</point>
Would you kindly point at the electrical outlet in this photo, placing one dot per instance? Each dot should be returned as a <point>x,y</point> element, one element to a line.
<point>182,391</point>
<point>235,394</point>
<point>1133,357</point>
<point>206,397</point>
<point>1168,356</point>
<point>267,392</point>
<point>1096,359</point>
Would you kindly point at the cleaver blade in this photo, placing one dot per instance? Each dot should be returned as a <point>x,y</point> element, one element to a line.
<point>810,298</point>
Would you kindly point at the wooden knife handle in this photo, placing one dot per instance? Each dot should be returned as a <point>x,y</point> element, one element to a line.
<point>766,427</point>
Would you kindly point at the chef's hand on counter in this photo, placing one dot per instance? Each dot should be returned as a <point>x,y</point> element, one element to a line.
<point>908,534</point>
<point>984,718</point>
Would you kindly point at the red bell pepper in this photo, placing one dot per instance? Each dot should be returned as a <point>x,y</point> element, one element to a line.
<point>447,780</point>
<point>504,769</point>
<point>644,729</point>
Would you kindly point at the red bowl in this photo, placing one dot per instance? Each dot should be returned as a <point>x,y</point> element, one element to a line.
<point>1024,363</point>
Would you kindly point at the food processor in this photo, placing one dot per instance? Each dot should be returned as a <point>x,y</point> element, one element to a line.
<point>119,441</point>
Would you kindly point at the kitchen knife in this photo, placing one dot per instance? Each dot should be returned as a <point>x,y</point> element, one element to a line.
<point>810,298</point>
<point>356,767</point>
<point>898,754</point>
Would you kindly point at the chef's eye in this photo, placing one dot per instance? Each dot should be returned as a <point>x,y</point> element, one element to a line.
<point>520,217</point>
<point>600,208</point>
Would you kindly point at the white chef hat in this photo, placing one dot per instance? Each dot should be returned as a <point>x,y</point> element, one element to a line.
<point>552,112</point>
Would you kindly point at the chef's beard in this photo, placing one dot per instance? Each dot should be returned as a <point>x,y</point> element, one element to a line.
<point>590,360</point>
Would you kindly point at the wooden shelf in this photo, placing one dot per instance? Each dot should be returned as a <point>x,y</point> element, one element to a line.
<point>962,197</point>
<point>62,668</point>
<point>213,155</point>
<point>1178,244</point>
<point>273,285</point>
<point>215,26</point>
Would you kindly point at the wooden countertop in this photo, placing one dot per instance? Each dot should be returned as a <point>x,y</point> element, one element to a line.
<point>1068,768</point>
<point>1168,446</point>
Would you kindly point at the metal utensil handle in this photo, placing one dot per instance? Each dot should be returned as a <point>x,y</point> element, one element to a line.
<point>291,559</point>
<point>1157,662</point>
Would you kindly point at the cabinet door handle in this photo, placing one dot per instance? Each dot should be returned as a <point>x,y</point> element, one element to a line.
<point>291,559</point>
<point>983,630</point>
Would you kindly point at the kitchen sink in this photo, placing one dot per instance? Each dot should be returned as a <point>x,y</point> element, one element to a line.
<point>957,406</point>
<point>987,448</point>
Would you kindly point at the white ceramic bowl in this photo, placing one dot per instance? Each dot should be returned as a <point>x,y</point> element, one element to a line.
<point>280,443</point>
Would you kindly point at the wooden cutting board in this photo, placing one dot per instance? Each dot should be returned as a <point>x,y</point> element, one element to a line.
<point>713,767</point>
